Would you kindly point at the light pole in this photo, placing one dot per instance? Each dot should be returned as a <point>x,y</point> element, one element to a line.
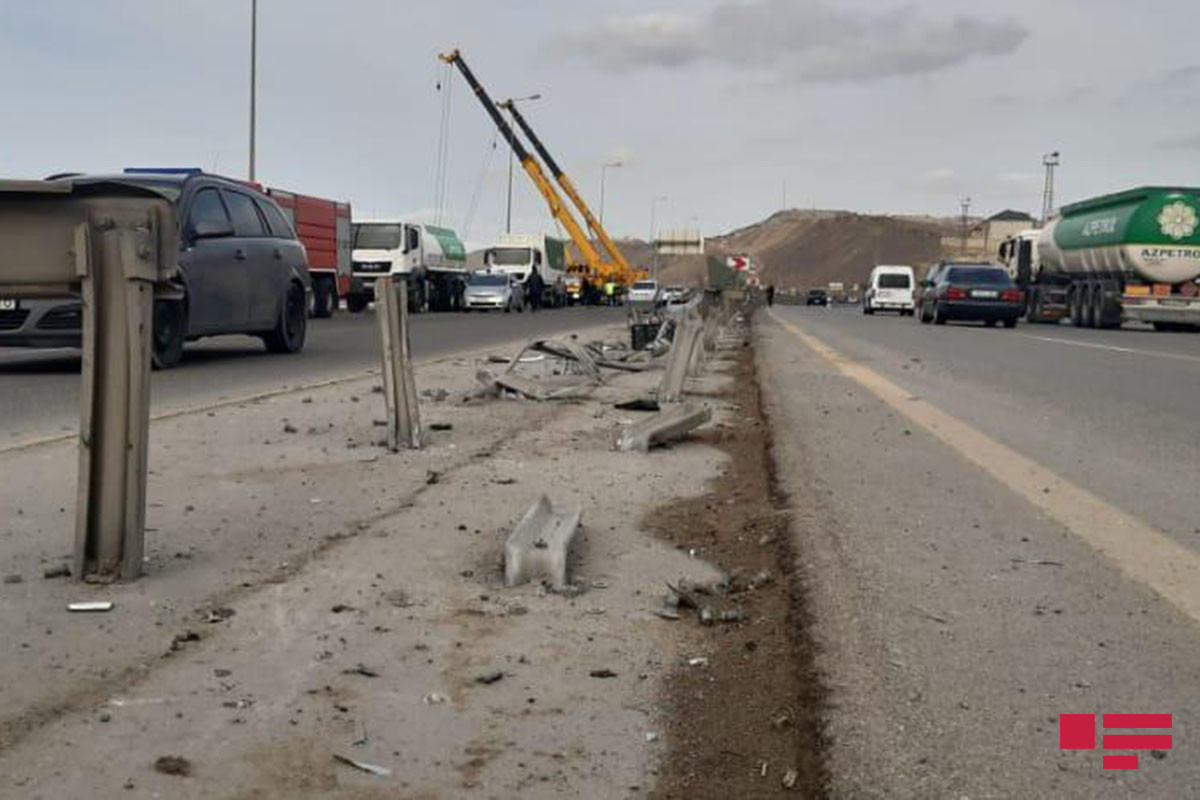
<point>603,169</point>
<point>965,203</point>
<point>508,211</point>
<point>253,77</point>
<point>654,201</point>
<point>1049,161</point>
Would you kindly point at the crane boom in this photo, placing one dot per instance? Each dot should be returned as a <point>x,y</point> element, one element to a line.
<point>569,187</point>
<point>558,209</point>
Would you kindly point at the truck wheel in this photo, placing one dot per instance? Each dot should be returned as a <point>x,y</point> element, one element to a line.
<point>1099,318</point>
<point>325,298</point>
<point>1032,300</point>
<point>355,303</point>
<point>169,331</point>
<point>288,334</point>
<point>1074,306</point>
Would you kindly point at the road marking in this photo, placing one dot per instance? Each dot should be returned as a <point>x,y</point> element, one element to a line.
<point>1141,552</point>
<point>1114,348</point>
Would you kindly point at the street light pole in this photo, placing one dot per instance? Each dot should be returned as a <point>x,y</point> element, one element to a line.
<point>654,201</point>
<point>965,203</point>
<point>1049,161</point>
<point>253,78</point>
<point>508,207</point>
<point>604,168</point>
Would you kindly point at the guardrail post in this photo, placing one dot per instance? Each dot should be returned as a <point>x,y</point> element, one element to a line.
<point>117,261</point>
<point>679,360</point>
<point>399,387</point>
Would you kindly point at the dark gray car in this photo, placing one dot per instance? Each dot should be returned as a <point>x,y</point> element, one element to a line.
<point>243,271</point>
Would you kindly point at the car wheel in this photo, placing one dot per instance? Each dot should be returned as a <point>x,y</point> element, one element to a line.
<point>324,298</point>
<point>1011,322</point>
<point>939,316</point>
<point>356,303</point>
<point>169,330</point>
<point>289,332</point>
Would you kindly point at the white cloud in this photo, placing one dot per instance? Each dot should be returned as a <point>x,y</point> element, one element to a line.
<point>812,41</point>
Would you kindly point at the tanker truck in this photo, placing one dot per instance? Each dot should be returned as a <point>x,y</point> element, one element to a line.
<point>1130,256</point>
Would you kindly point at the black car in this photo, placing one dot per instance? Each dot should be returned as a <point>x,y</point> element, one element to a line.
<point>242,271</point>
<point>817,297</point>
<point>972,292</point>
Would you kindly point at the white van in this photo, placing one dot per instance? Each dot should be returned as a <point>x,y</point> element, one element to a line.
<point>890,288</point>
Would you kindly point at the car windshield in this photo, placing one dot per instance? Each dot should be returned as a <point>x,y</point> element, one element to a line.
<point>894,280</point>
<point>645,285</point>
<point>377,236</point>
<point>509,256</point>
<point>976,275</point>
<point>487,280</point>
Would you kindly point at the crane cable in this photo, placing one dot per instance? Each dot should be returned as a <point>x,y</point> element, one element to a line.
<point>487,163</point>
<point>446,86</point>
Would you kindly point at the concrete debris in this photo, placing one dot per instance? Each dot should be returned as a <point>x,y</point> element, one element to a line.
<point>173,765</point>
<point>91,606</point>
<point>538,546</point>
<point>651,736</point>
<point>663,427</point>
<point>789,778</point>
<point>184,638</point>
<point>61,571</point>
<point>668,614</point>
<point>433,699</point>
<point>215,615</point>
<point>441,426</point>
<point>639,404</point>
<point>698,661</point>
<point>361,669</point>
<point>398,598</point>
<point>362,766</point>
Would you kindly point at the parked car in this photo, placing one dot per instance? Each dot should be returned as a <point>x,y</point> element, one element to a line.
<point>817,297</point>
<point>645,292</point>
<point>674,295</point>
<point>242,271</point>
<point>493,290</point>
<point>890,288</point>
<point>982,292</point>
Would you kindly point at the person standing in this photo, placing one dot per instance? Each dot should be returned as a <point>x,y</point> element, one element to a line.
<point>535,287</point>
<point>770,295</point>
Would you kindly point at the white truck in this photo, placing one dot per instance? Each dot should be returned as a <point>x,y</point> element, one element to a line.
<point>518,254</point>
<point>431,259</point>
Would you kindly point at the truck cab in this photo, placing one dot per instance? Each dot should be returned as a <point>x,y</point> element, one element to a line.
<point>432,261</point>
<point>520,254</point>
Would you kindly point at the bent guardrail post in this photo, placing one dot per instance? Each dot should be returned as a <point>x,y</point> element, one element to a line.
<point>679,359</point>
<point>112,245</point>
<point>399,387</point>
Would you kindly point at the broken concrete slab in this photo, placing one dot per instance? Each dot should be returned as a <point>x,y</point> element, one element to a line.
<point>663,427</point>
<point>538,546</point>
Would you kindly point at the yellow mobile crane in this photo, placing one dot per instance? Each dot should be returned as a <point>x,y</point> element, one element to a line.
<point>596,268</point>
<point>624,274</point>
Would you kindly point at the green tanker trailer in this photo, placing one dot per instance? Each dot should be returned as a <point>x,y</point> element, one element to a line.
<point>1133,255</point>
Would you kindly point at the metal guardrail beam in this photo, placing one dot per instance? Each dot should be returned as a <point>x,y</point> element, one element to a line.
<point>113,246</point>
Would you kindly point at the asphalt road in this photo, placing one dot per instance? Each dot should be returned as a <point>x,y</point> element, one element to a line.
<point>996,527</point>
<point>39,389</point>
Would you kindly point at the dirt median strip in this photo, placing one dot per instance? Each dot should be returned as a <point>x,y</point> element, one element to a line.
<point>746,710</point>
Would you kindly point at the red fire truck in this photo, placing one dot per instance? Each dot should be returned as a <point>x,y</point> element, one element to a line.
<point>323,226</point>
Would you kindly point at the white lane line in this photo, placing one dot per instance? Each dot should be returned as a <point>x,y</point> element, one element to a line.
<point>1114,348</point>
<point>1141,552</point>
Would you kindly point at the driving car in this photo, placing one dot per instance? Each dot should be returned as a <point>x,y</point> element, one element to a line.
<point>242,270</point>
<point>816,297</point>
<point>982,292</point>
<point>485,291</point>
<point>920,308</point>
<point>889,288</point>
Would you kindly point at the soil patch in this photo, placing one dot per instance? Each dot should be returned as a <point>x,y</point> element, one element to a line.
<point>740,724</point>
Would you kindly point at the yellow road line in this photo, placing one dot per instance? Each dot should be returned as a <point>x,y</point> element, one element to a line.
<point>1141,552</point>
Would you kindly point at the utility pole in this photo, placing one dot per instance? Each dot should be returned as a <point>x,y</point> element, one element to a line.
<point>603,169</point>
<point>253,78</point>
<point>508,207</point>
<point>966,221</point>
<point>654,201</point>
<point>1049,161</point>
<point>783,204</point>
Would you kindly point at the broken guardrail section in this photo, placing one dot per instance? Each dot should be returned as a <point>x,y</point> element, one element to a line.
<point>576,372</point>
<point>539,545</point>
<point>114,246</point>
<point>399,385</point>
<point>668,424</point>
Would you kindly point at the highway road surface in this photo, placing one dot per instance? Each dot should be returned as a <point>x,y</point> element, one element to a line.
<point>39,389</point>
<point>996,527</point>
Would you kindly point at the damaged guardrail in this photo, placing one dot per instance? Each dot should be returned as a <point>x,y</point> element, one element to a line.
<point>115,247</point>
<point>399,385</point>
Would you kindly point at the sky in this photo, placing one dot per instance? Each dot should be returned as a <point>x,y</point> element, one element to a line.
<point>728,109</point>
